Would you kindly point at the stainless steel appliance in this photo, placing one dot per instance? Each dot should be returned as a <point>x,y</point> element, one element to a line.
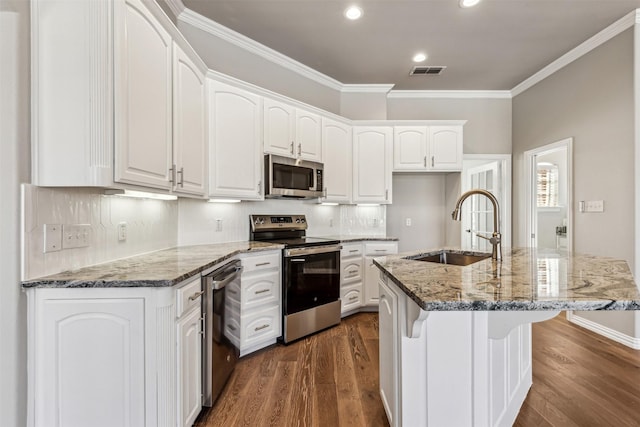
<point>310,274</point>
<point>294,178</point>
<point>219,355</point>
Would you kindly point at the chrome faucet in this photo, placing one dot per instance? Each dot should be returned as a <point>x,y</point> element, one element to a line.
<point>496,238</point>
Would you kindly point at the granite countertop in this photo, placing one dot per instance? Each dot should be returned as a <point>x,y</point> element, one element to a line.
<point>166,267</point>
<point>526,279</point>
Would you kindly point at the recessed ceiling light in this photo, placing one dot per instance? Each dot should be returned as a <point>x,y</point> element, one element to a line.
<point>468,3</point>
<point>419,57</point>
<point>353,13</point>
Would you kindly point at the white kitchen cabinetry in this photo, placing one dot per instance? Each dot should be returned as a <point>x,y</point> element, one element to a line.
<point>291,131</point>
<point>372,164</point>
<point>338,165</point>
<point>350,277</point>
<point>388,345</point>
<point>371,250</point>
<point>427,148</point>
<point>255,309</point>
<point>189,125</point>
<point>189,355</point>
<point>235,158</point>
<point>102,357</point>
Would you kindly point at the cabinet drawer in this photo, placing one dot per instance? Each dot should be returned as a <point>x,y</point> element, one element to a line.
<point>351,297</point>
<point>351,251</point>
<point>259,262</point>
<point>188,296</point>
<point>259,326</point>
<point>351,271</point>
<point>260,289</point>
<point>380,248</point>
<point>233,292</point>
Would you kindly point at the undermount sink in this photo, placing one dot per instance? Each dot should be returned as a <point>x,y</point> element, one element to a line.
<point>453,258</point>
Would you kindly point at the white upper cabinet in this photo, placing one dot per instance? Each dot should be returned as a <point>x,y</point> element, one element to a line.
<point>372,164</point>
<point>427,148</point>
<point>143,92</point>
<point>235,155</point>
<point>337,150</point>
<point>189,125</point>
<point>445,148</point>
<point>291,132</point>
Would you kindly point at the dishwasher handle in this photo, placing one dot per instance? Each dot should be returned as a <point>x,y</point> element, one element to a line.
<point>220,280</point>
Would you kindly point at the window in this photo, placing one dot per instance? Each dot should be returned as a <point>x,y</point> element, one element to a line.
<point>547,185</point>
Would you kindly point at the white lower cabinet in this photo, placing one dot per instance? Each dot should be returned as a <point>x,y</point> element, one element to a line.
<point>256,316</point>
<point>388,345</point>
<point>114,356</point>
<point>350,278</point>
<point>370,284</point>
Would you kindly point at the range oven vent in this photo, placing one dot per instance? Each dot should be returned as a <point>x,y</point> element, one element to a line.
<point>421,70</point>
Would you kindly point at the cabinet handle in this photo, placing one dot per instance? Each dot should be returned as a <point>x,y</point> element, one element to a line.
<point>181,182</point>
<point>260,264</point>
<point>432,161</point>
<point>299,149</point>
<point>195,296</point>
<point>352,272</point>
<point>325,193</point>
<point>261,291</point>
<point>291,147</point>
<point>232,291</point>
<point>172,174</point>
<point>425,161</point>
<point>353,298</point>
<point>259,328</point>
<point>259,187</point>
<point>353,250</point>
<point>381,250</point>
<point>233,328</point>
<point>386,194</point>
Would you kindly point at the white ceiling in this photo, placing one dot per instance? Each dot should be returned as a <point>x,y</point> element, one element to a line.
<point>493,46</point>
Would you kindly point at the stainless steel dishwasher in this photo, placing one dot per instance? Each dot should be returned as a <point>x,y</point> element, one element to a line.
<point>219,354</point>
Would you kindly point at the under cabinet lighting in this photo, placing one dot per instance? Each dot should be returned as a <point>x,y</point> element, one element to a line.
<point>139,194</point>
<point>368,204</point>
<point>468,3</point>
<point>329,204</point>
<point>224,201</point>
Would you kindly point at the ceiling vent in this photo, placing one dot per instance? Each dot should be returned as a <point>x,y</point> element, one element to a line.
<point>420,70</point>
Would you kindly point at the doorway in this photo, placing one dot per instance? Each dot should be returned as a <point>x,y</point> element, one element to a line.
<point>549,196</point>
<point>491,172</point>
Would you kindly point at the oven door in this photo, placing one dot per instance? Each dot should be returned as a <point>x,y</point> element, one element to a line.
<point>311,277</point>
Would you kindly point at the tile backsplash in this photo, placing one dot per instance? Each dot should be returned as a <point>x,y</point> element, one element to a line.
<point>155,224</point>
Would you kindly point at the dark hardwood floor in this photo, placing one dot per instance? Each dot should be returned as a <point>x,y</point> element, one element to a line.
<point>331,379</point>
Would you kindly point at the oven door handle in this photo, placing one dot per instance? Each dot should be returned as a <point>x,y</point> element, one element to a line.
<point>288,253</point>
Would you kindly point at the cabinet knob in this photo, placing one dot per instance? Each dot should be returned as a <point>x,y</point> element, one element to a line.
<point>291,147</point>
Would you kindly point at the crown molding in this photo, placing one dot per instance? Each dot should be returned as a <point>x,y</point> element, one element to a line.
<point>365,88</point>
<point>451,94</point>
<point>176,6</point>
<point>195,19</point>
<point>603,36</point>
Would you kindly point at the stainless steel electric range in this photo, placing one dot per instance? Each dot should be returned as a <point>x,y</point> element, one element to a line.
<point>310,274</point>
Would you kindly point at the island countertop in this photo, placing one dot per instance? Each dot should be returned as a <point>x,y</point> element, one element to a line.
<point>525,279</point>
<point>165,267</point>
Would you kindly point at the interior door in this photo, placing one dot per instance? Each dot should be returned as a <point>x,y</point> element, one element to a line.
<point>477,212</point>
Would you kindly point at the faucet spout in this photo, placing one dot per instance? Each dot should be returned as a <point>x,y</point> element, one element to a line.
<point>496,238</point>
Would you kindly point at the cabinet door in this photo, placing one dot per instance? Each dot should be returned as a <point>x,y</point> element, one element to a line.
<point>337,155</point>
<point>189,368</point>
<point>308,136</point>
<point>143,86</point>
<point>189,125</point>
<point>235,155</point>
<point>388,324</point>
<point>410,148</point>
<point>279,124</point>
<point>90,362</point>
<point>445,148</point>
<point>373,154</point>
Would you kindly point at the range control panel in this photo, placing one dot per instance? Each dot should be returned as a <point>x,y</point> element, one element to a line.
<point>278,222</point>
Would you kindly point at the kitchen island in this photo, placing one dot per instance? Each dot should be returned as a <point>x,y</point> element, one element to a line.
<point>455,341</point>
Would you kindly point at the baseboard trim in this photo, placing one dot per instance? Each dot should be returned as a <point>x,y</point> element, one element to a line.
<point>606,332</point>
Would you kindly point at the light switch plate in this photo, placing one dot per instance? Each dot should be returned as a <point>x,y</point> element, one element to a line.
<point>52,238</point>
<point>76,236</point>
<point>594,206</point>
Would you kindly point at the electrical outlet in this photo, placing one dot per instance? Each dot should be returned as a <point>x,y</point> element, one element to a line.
<point>122,231</point>
<point>407,222</point>
<point>52,238</point>
<point>76,236</point>
<point>219,224</point>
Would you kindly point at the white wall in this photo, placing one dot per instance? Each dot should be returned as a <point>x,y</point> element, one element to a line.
<point>363,106</point>
<point>597,110</point>
<point>14,169</point>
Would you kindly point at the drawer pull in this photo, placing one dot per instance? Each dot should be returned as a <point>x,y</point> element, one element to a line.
<point>353,250</point>
<point>352,272</point>
<point>381,250</point>
<point>195,296</point>
<point>353,298</point>
<point>232,291</point>
<point>261,291</point>
<point>259,328</point>
<point>233,328</point>
<point>261,264</point>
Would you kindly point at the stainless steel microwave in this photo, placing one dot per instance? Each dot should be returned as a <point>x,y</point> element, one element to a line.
<point>294,178</point>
